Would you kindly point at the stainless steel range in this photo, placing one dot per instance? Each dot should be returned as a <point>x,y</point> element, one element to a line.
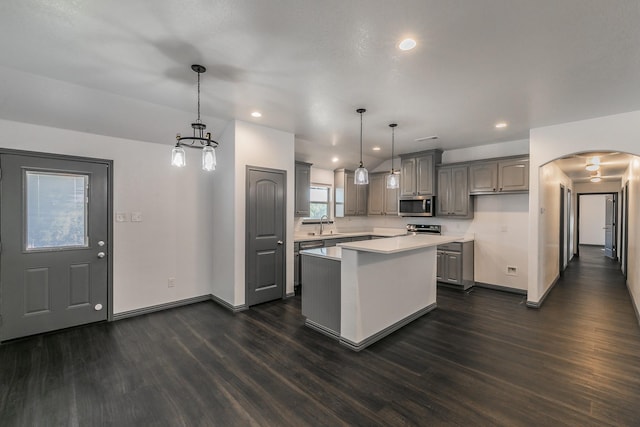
<point>424,229</point>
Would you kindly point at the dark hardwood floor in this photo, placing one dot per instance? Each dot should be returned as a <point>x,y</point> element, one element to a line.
<point>481,358</point>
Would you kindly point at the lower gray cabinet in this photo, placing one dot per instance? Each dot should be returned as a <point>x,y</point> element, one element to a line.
<point>321,294</point>
<point>296,265</point>
<point>334,242</point>
<point>455,264</point>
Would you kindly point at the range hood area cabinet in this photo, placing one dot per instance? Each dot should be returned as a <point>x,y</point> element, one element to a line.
<point>453,199</point>
<point>302,189</point>
<point>418,173</point>
<point>350,199</point>
<point>382,200</point>
<point>499,176</point>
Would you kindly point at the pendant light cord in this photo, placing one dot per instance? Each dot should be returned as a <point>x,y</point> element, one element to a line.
<point>393,141</point>
<point>198,97</point>
<point>361,139</point>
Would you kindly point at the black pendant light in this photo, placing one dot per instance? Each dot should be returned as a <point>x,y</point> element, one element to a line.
<point>208,145</point>
<point>393,179</point>
<point>361,176</point>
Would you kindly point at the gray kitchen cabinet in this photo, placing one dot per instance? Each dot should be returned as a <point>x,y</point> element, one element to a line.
<point>499,176</point>
<point>350,199</point>
<point>296,265</point>
<point>376,194</point>
<point>297,247</point>
<point>382,201</point>
<point>302,189</point>
<point>453,199</point>
<point>418,173</point>
<point>513,175</point>
<point>334,242</point>
<point>321,294</point>
<point>454,264</point>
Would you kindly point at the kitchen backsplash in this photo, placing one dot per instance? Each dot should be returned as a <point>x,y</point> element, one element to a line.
<point>366,223</point>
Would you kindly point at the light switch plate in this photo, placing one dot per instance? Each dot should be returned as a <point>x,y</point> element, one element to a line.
<point>136,216</point>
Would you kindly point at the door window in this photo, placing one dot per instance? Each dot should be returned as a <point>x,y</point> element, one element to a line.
<point>56,210</point>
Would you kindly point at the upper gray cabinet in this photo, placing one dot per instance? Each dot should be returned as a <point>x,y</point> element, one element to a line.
<point>302,189</point>
<point>453,198</point>
<point>350,199</point>
<point>499,176</point>
<point>418,173</point>
<point>382,201</point>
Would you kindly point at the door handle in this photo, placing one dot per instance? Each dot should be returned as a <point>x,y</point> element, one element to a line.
<point>101,255</point>
<point>280,242</point>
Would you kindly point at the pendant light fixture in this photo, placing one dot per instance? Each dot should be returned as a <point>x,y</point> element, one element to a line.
<point>361,176</point>
<point>393,179</point>
<point>208,145</point>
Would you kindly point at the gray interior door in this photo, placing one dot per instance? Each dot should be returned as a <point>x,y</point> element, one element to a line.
<point>265,235</point>
<point>609,227</point>
<point>561,237</point>
<point>54,229</point>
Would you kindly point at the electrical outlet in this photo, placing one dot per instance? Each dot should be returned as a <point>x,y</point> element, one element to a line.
<point>171,283</point>
<point>512,271</point>
<point>122,217</point>
<point>136,216</point>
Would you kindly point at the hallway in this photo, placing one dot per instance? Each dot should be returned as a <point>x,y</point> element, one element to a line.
<point>481,358</point>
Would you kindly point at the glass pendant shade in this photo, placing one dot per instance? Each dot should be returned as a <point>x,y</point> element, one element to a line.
<point>393,181</point>
<point>361,176</point>
<point>208,158</point>
<point>178,158</point>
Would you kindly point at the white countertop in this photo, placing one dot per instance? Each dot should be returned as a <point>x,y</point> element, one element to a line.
<point>400,244</point>
<point>383,232</point>
<point>333,252</point>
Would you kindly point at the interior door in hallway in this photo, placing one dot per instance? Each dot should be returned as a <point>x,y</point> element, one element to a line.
<point>54,230</point>
<point>265,229</point>
<point>610,226</point>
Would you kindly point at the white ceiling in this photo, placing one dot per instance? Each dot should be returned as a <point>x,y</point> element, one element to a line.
<point>612,165</point>
<point>122,68</point>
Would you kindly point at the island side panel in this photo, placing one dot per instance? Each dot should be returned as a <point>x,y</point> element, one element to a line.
<point>321,294</point>
<point>380,290</point>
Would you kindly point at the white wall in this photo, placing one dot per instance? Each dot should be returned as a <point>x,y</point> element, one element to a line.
<point>174,238</point>
<point>618,133</point>
<point>632,177</point>
<point>592,219</point>
<point>253,145</point>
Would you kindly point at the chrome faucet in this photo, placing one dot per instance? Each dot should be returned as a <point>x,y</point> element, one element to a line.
<point>321,224</point>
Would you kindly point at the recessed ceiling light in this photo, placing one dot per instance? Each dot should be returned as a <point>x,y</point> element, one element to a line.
<point>376,148</point>
<point>501,125</point>
<point>407,44</point>
<point>256,114</point>
<point>335,159</point>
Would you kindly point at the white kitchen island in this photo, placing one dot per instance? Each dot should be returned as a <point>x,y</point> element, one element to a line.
<point>384,284</point>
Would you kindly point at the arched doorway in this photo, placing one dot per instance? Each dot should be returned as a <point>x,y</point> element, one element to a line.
<point>618,133</point>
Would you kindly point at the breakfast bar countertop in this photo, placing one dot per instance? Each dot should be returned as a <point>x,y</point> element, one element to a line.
<point>399,244</point>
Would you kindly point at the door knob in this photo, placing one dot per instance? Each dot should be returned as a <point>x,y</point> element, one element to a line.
<point>100,243</point>
<point>280,242</point>
<point>100,254</point>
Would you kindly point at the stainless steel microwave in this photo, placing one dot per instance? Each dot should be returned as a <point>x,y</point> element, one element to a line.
<point>417,206</point>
